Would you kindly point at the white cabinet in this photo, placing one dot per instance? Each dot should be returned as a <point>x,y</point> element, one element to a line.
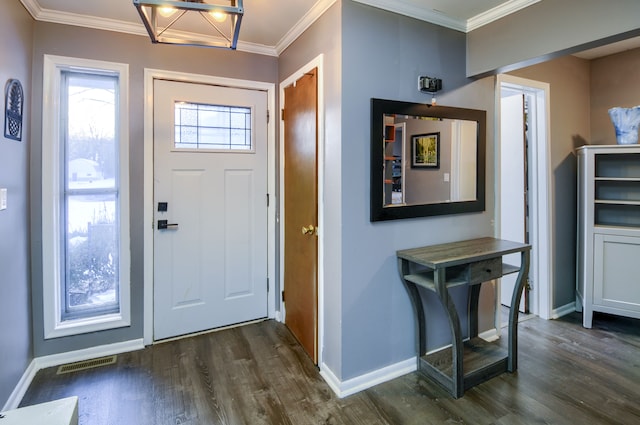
<point>608,266</point>
<point>57,412</point>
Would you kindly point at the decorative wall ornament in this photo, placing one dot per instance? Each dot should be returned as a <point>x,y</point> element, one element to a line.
<point>13,107</point>
<point>626,122</point>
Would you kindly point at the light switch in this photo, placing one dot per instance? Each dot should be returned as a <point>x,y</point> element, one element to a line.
<point>3,199</point>
<point>446,177</point>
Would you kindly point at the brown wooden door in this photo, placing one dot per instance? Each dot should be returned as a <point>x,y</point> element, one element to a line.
<point>301,211</point>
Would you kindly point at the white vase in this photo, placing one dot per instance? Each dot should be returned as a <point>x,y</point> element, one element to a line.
<point>626,122</point>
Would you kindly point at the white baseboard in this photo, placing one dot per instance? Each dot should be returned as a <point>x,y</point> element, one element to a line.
<point>563,311</point>
<point>279,317</point>
<point>579,303</point>
<point>368,380</point>
<point>18,392</point>
<point>88,353</point>
<point>490,335</point>
<point>64,358</point>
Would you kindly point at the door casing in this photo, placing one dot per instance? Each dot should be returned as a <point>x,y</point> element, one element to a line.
<point>317,62</point>
<point>148,221</point>
<point>540,192</point>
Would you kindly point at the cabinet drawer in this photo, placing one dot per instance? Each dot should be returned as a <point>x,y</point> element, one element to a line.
<point>482,271</point>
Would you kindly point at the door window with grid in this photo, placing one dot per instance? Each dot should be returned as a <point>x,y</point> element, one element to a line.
<point>212,127</point>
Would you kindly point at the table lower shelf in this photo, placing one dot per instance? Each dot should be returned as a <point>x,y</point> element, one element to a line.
<point>482,360</point>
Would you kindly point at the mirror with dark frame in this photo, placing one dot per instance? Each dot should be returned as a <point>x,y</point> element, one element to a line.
<point>426,160</point>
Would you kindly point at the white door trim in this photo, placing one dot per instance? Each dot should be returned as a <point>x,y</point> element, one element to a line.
<point>149,76</point>
<point>540,189</point>
<point>317,62</point>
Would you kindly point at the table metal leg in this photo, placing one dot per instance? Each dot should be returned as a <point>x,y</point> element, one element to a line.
<point>457,348</point>
<point>472,308</point>
<point>418,310</point>
<point>512,362</point>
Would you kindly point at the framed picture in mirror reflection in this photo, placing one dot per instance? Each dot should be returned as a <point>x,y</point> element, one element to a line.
<point>425,150</point>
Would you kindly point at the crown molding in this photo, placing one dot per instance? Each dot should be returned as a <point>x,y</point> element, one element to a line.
<point>421,13</point>
<point>33,7</point>
<point>303,24</point>
<point>259,49</point>
<point>430,15</point>
<point>93,22</point>
<point>512,6</point>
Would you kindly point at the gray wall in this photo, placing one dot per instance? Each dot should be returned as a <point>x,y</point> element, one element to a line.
<point>324,37</point>
<point>16,28</point>
<point>569,79</point>
<point>382,56</point>
<point>549,28</point>
<point>615,81</point>
<point>427,185</point>
<point>139,53</point>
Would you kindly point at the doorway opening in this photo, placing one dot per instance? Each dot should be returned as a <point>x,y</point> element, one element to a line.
<point>531,221</point>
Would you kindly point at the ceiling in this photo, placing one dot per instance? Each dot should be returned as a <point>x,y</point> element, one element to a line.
<point>269,26</point>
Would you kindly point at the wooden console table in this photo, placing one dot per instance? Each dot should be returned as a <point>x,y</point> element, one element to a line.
<point>440,267</point>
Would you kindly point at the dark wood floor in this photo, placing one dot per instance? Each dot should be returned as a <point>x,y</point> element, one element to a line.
<point>258,374</point>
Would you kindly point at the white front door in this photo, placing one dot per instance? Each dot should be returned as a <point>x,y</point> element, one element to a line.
<point>210,207</point>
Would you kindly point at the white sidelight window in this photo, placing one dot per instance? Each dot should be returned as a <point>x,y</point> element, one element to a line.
<point>85,198</point>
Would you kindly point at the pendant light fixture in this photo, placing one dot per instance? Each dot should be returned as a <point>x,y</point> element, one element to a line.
<point>206,23</point>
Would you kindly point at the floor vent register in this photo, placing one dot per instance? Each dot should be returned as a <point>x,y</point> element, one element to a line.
<point>86,364</point>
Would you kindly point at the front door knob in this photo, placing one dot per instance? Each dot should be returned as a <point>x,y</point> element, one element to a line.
<point>310,230</point>
<point>165,225</point>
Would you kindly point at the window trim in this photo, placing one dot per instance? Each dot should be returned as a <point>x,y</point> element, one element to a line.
<point>52,250</point>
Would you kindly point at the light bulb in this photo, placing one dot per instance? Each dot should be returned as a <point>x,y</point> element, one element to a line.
<point>166,11</point>
<point>218,16</point>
